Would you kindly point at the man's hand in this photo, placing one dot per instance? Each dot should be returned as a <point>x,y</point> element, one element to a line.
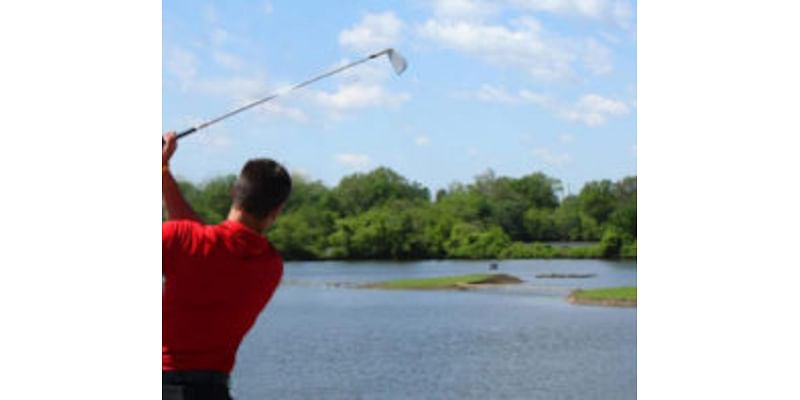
<point>168,149</point>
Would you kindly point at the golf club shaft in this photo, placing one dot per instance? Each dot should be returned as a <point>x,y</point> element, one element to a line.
<point>273,96</point>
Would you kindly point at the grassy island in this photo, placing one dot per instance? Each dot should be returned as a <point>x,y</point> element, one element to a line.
<point>448,282</point>
<point>617,296</point>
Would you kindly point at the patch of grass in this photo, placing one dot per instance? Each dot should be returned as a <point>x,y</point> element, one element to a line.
<point>446,282</point>
<point>616,296</point>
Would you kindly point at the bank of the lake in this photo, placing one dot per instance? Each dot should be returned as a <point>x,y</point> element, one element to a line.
<point>612,248</point>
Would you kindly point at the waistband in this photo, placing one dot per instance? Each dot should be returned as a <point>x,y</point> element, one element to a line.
<point>194,377</point>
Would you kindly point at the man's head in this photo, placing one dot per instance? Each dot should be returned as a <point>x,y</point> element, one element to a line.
<point>261,189</point>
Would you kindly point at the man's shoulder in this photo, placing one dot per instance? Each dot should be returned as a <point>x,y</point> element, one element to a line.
<point>181,224</point>
<point>182,228</point>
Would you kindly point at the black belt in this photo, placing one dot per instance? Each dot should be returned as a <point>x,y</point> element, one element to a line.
<point>194,377</point>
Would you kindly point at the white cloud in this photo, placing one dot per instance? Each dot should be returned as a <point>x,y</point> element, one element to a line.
<point>535,98</point>
<point>238,89</point>
<point>623,14</point>
<point>590,109</point>
<point>616,11</point>
<point>267,7</point>
<point>278,109</point>
<point>619,12</point>
<point>182,64</point>
<point>566,138</point>
<point>498,94</point>
<point>584,8</point>
<point>525,44</point>
<point>594,110</point>
<point>358,96</point>
<point>352,160</point>
<point>597,57</point>
<point>374,32</point>
<point>362,88</point>
<point>227,60</point>
<point>220,36</point>
<point>357,89</point>
<point>422,140</point>
<point>463,9</point>
<point>550,158</point>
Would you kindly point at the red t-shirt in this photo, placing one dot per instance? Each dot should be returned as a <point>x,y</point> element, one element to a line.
<point>217,279</point>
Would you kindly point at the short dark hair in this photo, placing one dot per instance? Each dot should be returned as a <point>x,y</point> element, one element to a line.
<point>262,186</point>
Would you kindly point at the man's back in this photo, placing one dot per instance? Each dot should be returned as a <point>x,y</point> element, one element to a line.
<point>217,280</point>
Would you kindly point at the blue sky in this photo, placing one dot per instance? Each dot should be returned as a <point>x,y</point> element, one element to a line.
<point>517,86</point>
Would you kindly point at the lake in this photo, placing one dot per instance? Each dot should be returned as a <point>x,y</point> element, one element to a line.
<point>320,339</point>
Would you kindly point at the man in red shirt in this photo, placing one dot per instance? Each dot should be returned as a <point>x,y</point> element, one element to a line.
<point>217,279</point>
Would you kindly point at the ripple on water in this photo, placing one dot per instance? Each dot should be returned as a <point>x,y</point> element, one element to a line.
<point>320,342</point>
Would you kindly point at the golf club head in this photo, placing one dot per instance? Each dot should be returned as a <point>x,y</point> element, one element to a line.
<point>398,62</point>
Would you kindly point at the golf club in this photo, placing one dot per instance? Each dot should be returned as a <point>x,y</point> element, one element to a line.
<point>399,65</point>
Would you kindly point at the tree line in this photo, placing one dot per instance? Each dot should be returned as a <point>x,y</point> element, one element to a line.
<point>383,215</point>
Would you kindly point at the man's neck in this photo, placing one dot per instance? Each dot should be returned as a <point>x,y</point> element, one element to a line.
<point>240,216</point>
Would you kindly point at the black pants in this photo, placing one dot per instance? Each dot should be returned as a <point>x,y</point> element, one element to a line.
<point>194,385</point>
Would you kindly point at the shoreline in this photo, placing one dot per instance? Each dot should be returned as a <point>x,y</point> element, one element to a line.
<point>624,297</point>
<point>465,282</point>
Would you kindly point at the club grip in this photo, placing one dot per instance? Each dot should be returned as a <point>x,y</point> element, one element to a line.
<point>186,133</point>
<point>180,135</point>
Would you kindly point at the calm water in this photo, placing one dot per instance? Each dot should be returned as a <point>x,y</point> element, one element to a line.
<point>319,340</point>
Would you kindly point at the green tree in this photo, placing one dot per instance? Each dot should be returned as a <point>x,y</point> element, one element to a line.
<point>539,190</point>
<point>303,233</point>
<point>381,215</point>
<point>624,215</point>
<point>308,193</point>
<point>472,242</point>
<point>567,219</point>
<point>464,204</point>
<point>216,199</point>
<point>540,224</point>
<point>598,201</point>
<point>503,201</point>
<point>358,193</point>
<point>392,231</point>
<point>611,243</point>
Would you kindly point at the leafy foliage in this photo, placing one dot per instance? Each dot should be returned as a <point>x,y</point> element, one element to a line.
<point>382,215</point>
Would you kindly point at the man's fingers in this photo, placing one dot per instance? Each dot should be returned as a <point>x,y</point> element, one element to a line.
<point>169,144</point>
<point>169,140</point>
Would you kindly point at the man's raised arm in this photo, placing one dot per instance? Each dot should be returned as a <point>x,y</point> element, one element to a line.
<point>176,205</point>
